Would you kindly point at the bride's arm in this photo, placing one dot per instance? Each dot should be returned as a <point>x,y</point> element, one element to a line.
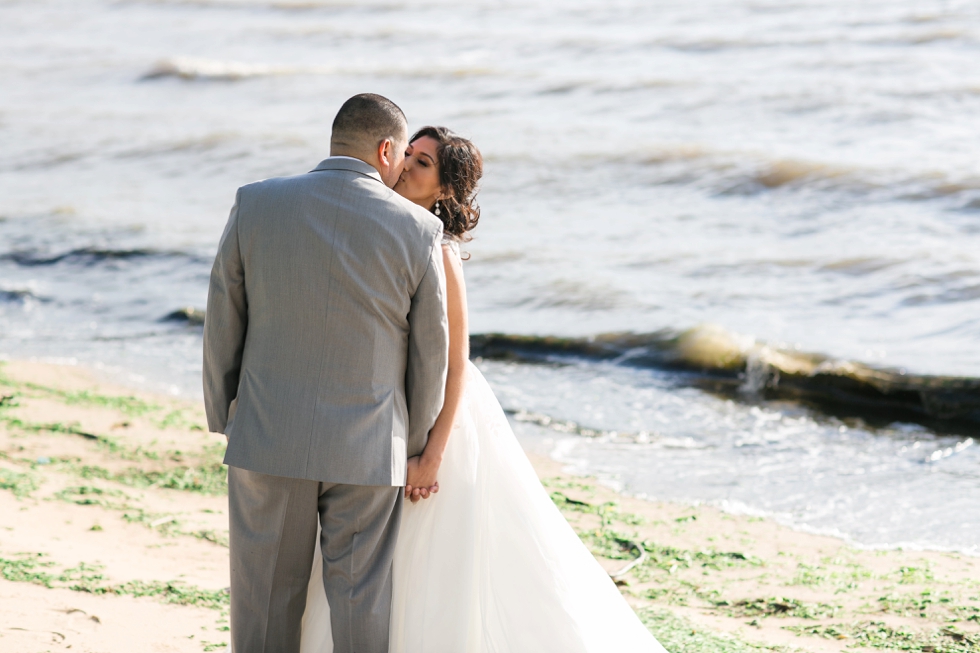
<point>423,471</point>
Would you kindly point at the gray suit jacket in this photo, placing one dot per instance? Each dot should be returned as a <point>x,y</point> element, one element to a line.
<point>326,337</point>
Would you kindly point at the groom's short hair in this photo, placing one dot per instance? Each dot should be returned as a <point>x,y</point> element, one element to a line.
<point>365,120</point>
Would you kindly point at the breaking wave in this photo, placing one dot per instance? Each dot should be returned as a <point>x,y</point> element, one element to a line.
<point>187,315</point>
<point>196,69</point>
<point>192,68</point>
<point>87,256</point>
<point>20,296</point>
<point>734,173</point>
<point>745,173</point>
<point>718,360</point>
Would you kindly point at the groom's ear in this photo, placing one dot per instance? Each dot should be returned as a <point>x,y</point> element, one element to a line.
<point>386,151</point>
<point>389,154</point>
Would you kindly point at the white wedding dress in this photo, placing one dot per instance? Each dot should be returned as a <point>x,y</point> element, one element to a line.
<point>489,564</point>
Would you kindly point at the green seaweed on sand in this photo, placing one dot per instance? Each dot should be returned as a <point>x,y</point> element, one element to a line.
<point>211,535</point>
<point>614,544</point>
<point>209,479</point>
<point>668,558</point>
<point>129,405</point>
<point>914,575</point>
<point>678,635</point>
<point>115,447</point>
<point>560,483</point>
<point>177,419</point>
<point>20,483</point>
<point>33,568</point>
<point>107,444</point>
<point>89,495</point>
<point>842,580</point>
<point>173,591</point>
<point>776,607</point>
<point>50,427</point>
<point>608,512</point>
<point>28,568</point>
<point>879,635</point>
<point>111,499</point>
<point>927,604</point>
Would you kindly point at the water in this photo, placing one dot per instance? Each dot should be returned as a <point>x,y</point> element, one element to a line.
<point>802,173</point>
<point>896,486</point>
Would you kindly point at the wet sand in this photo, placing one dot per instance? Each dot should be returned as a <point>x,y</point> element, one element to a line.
<point>113,537</point>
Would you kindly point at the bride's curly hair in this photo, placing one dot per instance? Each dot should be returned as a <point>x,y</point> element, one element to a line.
<point>460,169</point>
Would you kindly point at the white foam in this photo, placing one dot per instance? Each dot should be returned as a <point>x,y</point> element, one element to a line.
<point>211,69</point>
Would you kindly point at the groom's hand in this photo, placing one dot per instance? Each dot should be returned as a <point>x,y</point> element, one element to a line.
<point>421,481</point>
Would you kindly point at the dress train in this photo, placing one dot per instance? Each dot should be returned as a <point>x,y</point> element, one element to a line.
<point>489,564</point>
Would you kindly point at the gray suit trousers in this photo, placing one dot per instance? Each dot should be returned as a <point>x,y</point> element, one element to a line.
<point>273,540</point>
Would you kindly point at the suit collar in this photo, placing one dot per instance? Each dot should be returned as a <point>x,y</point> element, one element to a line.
<point>348,163</point>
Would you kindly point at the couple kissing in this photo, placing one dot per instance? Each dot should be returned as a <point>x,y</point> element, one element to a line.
<point>378,499</point>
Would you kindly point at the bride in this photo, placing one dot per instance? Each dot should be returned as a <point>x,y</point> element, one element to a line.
<point>486,562</point>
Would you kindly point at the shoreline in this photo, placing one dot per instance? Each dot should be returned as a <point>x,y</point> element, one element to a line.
<point>112,507</point>
<point>750,513</point>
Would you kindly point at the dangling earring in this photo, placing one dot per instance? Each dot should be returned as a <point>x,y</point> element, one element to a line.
<point>437,211</point>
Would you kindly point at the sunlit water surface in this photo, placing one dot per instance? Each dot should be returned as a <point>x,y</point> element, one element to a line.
<point>803,173</point>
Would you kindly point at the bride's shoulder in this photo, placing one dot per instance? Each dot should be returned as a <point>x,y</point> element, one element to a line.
<point>452,261</point>
<point>450,243</point>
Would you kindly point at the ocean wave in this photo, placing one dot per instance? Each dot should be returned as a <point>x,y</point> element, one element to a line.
<point>44,161</point>
<point>196,69</point>
<point>88,256</point>
<point>190,68</point>
<point>756,175</point>
<point>966,293</point>
<point>924,37</point>
<point>20,296</point>
<point>284,5</point>
<point>718,43</point>
<point>187,315</point>
<point>739,366</point>
<point>747,173</point>
<point>862,265</point>
<point>900,37</point>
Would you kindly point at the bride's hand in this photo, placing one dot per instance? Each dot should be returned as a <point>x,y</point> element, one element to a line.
<point>421,481</point>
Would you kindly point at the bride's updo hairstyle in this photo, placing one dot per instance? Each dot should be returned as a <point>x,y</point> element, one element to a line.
<point>460,168</point>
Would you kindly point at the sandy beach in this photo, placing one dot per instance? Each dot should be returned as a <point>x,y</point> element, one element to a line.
<point>113,537</point>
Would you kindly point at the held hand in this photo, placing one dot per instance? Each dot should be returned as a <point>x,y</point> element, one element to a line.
<point>421,481</point>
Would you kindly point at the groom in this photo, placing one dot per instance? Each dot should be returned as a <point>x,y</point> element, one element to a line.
<point>325,349</point>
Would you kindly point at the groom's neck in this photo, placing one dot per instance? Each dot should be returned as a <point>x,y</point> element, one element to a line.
<point>354,153</point>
